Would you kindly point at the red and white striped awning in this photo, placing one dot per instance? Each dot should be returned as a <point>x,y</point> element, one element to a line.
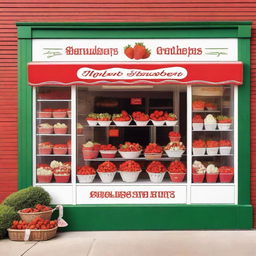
<point>91,74</point>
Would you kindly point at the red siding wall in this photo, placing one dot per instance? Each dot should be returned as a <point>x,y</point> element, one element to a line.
<point>96,11</point>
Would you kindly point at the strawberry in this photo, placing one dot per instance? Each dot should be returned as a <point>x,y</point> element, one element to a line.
<point>129,51</point>
<point>147,54</point>
<point>139,51</point>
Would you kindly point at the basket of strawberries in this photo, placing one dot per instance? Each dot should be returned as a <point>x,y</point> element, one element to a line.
<point>107,171</point>
<point>129,171</point>
<point>153,151</point>
<point>224,122</point>
<point>226,174</point>
<point>122,119</point>
<point>158,118</point>
<point>177,171</point>
<point>86,174</point>
<point>197,123</point>
<point>130,150</point>
<point>225,147</point>
<point>156,171</point>
<point>108,151</point>
<point>198,105</point>
<point>92,119</point>
<point>174,136</point>
<point>140,118</point>
<point>199,147</point>
<point>171,119</point>
<point>174,149</point>
<point>212,147</point>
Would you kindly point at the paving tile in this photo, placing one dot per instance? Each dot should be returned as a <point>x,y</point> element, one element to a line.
<point>70,244</point>
<point>14,248</point>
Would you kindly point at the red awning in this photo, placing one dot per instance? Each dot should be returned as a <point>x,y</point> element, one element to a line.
<point>187,73</point>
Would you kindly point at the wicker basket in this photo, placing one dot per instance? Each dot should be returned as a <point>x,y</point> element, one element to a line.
<point>35,235</point>
<point>28,217</point>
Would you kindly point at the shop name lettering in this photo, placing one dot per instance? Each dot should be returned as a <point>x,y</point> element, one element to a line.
<point>121,73</point>
<point>132,194</point>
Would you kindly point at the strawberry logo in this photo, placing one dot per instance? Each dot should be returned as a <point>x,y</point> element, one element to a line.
<point>139,51</point>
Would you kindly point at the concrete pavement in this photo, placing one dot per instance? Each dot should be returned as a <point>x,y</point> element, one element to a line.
<point>134,243</point>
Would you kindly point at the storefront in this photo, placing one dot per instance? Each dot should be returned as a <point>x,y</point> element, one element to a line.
<point>164,103</point>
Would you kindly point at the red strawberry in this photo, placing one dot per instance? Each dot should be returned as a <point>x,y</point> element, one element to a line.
<point>147,54</point>
<point>139,51</point>
<point>129,51</point>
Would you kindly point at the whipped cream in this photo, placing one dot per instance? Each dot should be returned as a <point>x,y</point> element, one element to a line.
<point>199,167</point>
<point>210,119</point>
<point>59,125</point>
<point>211,168</point>
<point>43,171</point>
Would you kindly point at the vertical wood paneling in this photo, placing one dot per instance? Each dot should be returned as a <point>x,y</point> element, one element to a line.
<point>101,11</point>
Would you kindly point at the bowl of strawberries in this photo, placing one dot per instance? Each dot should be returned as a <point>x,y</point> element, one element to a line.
<point>226,174</point>
<point>107,171</point>
<point>225,147</point>
<point>140,118</point>
<point>130,150</point>
<point>108,151</point>
<point>197,123</point>
<point>129,171</point>
<point>212,147</point>
<point>86,174</point>
<point>156,171</point>
<point>177,171</point>
<point>171,119</point>
<point>104,119</point>
<point>122,119</point>
<point>158,118</point>
<point>224,123</point>
<point>90,150</point>
<point>198,147</point>
<point>153,151</point>
<point>198,105</point>
<point>92,119</point>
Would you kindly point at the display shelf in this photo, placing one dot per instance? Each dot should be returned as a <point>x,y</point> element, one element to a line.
<point>213,184</point>
<point>138,183</point>
<point>230,130</point>
<point>52,100</point>
<point>132,125</point>
<point>53,155</point>
<point>135,159</point>
<point>53,118</point>
<point>211,155</point>
<point>52,134</point>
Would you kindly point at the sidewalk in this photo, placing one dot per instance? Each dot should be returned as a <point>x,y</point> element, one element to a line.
<point>133,243</point>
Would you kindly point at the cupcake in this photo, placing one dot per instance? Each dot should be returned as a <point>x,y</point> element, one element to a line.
<point>60,149</point>
<point>45,148</point>
<point>59,113</point>
<point>212,173</point>
<point>44,174</point>
<point>60,128</point>
<point>156,171</point>
<point>45,128</point>
<point>198,172</point>
<point>210,123</point>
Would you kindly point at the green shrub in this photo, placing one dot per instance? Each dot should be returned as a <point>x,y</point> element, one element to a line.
<point>27,198</point>
<point>7,215</point>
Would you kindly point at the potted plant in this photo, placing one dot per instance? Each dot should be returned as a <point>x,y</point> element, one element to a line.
<point>177,171</point>
<point>224,122</point>
<point>156,171</point>
<point>140,118</point>
<point>212,173</point>
<point>199,147</point>
<point>92,119</point>
<point>212,147</point>
<point>158,118</point>
<point>153,151</point>
<point>122,119</point>
<point>171,119</point>
<point>129,171</point>
<point>107,171</point>
<point>197,123</point>
<point>90,150</point>
<point>104,119</point>
<point>210,123</point>
<point>225,147</point>
<point>226,174</point>
<point>198,105</point>
<point>45,148</point>
<point>198,172</point>
<point>108,151</point>
<point>130,150</point>
<point>174,149</point>
<point>86,174</point>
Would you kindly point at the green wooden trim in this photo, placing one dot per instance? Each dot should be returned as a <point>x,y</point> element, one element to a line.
<point>133,30</point>
<point>157,217</point>
<point>244,141</point>
<point>24,116</point>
